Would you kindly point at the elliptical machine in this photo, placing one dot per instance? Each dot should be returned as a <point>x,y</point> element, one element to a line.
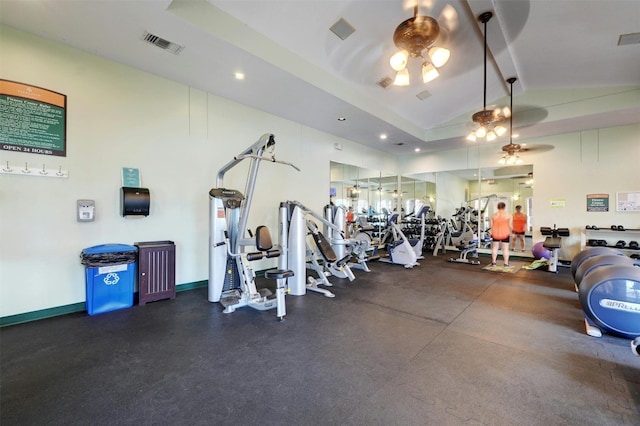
<point>231,274</point>
<point>400,250</point>
<point>419,220</point>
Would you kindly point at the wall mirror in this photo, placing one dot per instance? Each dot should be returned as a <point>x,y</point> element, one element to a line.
<point>479,191</point>
<point>377,193</point>
<point>369,192</point>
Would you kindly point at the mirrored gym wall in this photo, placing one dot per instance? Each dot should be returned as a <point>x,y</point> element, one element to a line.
<point>376,193</point>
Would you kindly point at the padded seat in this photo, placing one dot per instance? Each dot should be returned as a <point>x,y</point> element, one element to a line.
<point>277,274</point>
<point>552,243</point>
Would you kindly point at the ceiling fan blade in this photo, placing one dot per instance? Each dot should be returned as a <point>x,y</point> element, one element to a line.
<point>448,18</point>
<point>537,148</point>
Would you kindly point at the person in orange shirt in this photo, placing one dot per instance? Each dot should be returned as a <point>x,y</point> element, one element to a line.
<point>350,216</point>
<point>519,228</point>
<point>500,233</point>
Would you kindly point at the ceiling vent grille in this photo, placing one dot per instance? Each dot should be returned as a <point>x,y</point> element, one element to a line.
<point>162,43</point>
<point>385,82</point>
<point>342,29</point>
<point>423,95</point>
<point>625,39</point>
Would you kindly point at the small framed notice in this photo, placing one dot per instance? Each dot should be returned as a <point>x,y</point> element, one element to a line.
<point>628,201</point>
<point>597,202</point>
<point>131,177</point>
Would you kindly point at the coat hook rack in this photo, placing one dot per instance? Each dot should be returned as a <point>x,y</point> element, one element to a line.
<point>26,171</point>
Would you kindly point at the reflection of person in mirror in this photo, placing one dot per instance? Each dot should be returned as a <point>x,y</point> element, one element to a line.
<point>519,228</point>
<point>350,217</point>
<point>500,233</point>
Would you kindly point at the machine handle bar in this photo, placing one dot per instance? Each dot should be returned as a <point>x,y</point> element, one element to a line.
<point>259,157</point>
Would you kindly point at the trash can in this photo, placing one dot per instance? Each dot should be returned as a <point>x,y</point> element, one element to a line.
<point>110,274</point>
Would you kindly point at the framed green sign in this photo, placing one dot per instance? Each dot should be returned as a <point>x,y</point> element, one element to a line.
<point>32,119</point>
<point>597,202</point>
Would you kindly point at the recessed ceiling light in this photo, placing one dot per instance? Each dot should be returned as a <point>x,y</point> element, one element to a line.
<point>239,76</point>
<point>417,150</point>
<point>342,119</point>
<point>383,136</point>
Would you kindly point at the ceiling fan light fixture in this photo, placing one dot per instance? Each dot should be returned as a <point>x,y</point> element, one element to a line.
<point>429,72</point>
<point>439,56</point>
<point>402,78</point>
<point>399,60</point>
<point>413,37</point>
<point>510,155</point>
<point>472,137</point>
<point>488,121</point>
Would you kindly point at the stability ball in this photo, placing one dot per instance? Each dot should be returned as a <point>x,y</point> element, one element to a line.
<point>540,252</point>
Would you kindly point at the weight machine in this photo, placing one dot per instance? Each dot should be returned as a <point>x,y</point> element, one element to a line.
<point>297,228</point>
<point>231,274</point>
<point>358,248</point>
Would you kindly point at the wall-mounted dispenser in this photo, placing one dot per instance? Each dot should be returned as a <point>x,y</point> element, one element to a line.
<point>134,201</point>
<point>86,210</point>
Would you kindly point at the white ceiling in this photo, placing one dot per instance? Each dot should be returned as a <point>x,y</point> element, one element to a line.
<point>571,73</point>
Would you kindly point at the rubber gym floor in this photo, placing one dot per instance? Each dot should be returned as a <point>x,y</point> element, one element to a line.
<point>440,344</point>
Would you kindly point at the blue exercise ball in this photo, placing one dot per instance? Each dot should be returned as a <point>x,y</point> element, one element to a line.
<point>539,252</point>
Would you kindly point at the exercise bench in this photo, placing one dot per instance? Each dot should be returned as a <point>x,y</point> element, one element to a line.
<point>553,243</point>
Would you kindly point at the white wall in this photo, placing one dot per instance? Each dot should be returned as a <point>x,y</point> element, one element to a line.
<point>177,136</point>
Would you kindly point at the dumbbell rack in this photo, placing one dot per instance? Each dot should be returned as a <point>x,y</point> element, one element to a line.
<point>611,237</point>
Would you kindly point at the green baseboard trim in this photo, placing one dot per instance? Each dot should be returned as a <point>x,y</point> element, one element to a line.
<point>41,314</point>
<point>191,286</point>
<point>75,308</point>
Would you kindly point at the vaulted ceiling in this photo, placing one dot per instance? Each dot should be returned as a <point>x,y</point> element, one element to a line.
<point>572,73</point>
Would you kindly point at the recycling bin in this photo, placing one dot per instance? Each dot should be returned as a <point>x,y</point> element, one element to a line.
<point>110,274</point>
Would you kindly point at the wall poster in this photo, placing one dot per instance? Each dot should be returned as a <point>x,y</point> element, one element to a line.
<point>628,201</point>
<point>597,202</point>
<point>32,119</point>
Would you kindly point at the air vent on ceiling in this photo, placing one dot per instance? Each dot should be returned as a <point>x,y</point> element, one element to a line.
<point>385,82</point>
<point>423,95</point>
<point>342,29</point>
<point>399,143</point>
<point>632,38</point>
<point>162,43</point>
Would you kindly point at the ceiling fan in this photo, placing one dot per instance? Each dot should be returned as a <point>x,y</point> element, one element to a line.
<point>510,151</point>
<point>395,193</point>
<point>513,148</point>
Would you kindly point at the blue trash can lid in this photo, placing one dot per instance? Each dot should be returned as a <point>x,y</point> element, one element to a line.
<point>109,248</point>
